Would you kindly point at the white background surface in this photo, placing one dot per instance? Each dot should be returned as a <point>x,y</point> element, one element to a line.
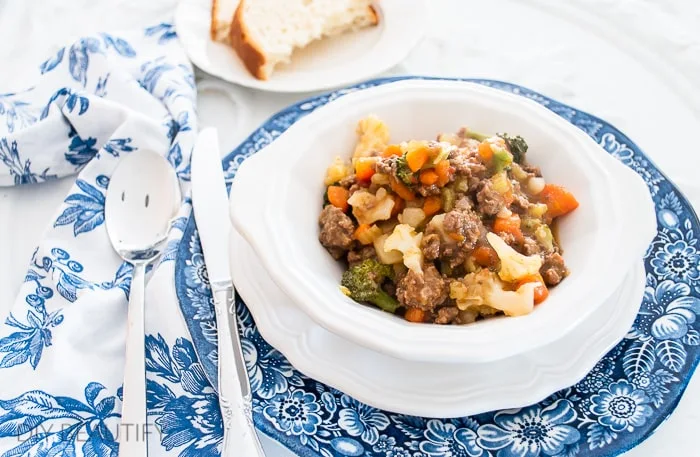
<point>635,63</point>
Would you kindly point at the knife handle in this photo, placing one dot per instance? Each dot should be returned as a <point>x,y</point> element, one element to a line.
<point>235,400</point>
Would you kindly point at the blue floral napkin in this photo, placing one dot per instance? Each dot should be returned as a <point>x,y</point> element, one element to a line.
<point>62,346</point>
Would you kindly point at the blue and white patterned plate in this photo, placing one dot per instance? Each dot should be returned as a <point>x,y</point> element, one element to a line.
<point>617,405</point>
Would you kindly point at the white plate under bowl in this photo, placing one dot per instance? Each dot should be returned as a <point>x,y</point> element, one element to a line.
<point>430,389</point>
<point>615,220</point>
<point>325,64</point>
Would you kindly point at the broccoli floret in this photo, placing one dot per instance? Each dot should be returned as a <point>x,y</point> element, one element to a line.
<point>403,172</point>
<point>517,146</point>
<point>364,283</point>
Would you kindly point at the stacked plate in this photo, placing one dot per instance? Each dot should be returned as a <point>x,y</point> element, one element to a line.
<point>290,283</point>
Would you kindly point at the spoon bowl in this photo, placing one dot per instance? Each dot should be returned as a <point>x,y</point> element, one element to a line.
<point>143,197</point>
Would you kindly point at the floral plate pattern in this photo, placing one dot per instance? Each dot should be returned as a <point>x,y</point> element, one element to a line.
<point>621,402</point>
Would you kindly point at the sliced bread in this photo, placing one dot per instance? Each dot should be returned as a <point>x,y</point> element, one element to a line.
<point>222,12</point>
<point>265,33</point>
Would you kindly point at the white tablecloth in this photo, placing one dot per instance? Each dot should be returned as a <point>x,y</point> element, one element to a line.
<point>635,63</point>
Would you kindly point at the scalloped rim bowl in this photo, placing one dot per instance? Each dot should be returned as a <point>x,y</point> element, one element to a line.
<point>602,239</point>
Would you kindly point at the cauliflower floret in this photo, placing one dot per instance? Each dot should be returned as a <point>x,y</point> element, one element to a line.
<point>514,266</point>
<point>412,216</point>
<point>467,296</point>
<point>373,136</point>
<point>407,241</point>
<point>388,257</point>
<point>337,171</point>
<point>484,288</point>
<point>518,303</point>
<point>369,208</point>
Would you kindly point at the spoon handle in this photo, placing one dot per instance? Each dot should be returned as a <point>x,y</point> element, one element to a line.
<point>134,403</point>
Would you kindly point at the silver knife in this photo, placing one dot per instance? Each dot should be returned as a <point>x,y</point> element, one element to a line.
<point>210,205</point>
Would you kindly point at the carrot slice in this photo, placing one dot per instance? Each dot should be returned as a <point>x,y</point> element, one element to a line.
<point>485,151</point>
<point>444,172</point>
<point>415,315</point>
<point>362,228</point>
<point>401,190</point>
<point>428,177</point>
<point>338,196</point>
<point>432,205</point>
<point>392,150</point>
<point>541,291</point>
<point>416,158</point>
<point>485,256</point>
<point>559,201</point>
<point>364,168</point>
<point>509,225</point>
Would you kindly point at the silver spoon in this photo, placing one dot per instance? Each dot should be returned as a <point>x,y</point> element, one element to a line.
<point>143,197</point>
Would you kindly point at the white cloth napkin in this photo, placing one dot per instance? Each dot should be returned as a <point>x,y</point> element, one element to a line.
<point>62,347</point>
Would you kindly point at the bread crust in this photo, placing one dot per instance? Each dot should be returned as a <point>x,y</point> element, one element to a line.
<point>212,22</point>
<point>372,12</point>
<point>245,47</point>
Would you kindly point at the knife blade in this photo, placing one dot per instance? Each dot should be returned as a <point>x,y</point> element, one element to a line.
<point>210,206</point>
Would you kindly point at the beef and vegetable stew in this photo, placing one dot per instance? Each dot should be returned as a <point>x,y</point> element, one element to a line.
<point>447,231</point>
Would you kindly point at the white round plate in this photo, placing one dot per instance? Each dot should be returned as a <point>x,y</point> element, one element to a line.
<point>325,64</point>
<point>429,389</point>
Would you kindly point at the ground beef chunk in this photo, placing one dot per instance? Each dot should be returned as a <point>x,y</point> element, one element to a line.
<point>348,181</point>
<point>360,255</point>
<point>520,203</point>
<point>425,291</point>
<point>466,162</point>
<point>465,223</point>
<point>530,246</point>
<point>467,227</point>
<point>427,191</point>
<point>386,166</point>
<point>454,253</point>
<point>446,315</point>
<point>509,238</point>
<point>553,269</point>
<point>489,200</point>
<point>336,231</point>
<point>431,246</point>
<point>464,204</point>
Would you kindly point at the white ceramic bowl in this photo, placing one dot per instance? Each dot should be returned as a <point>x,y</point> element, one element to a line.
<point>276,200</point>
